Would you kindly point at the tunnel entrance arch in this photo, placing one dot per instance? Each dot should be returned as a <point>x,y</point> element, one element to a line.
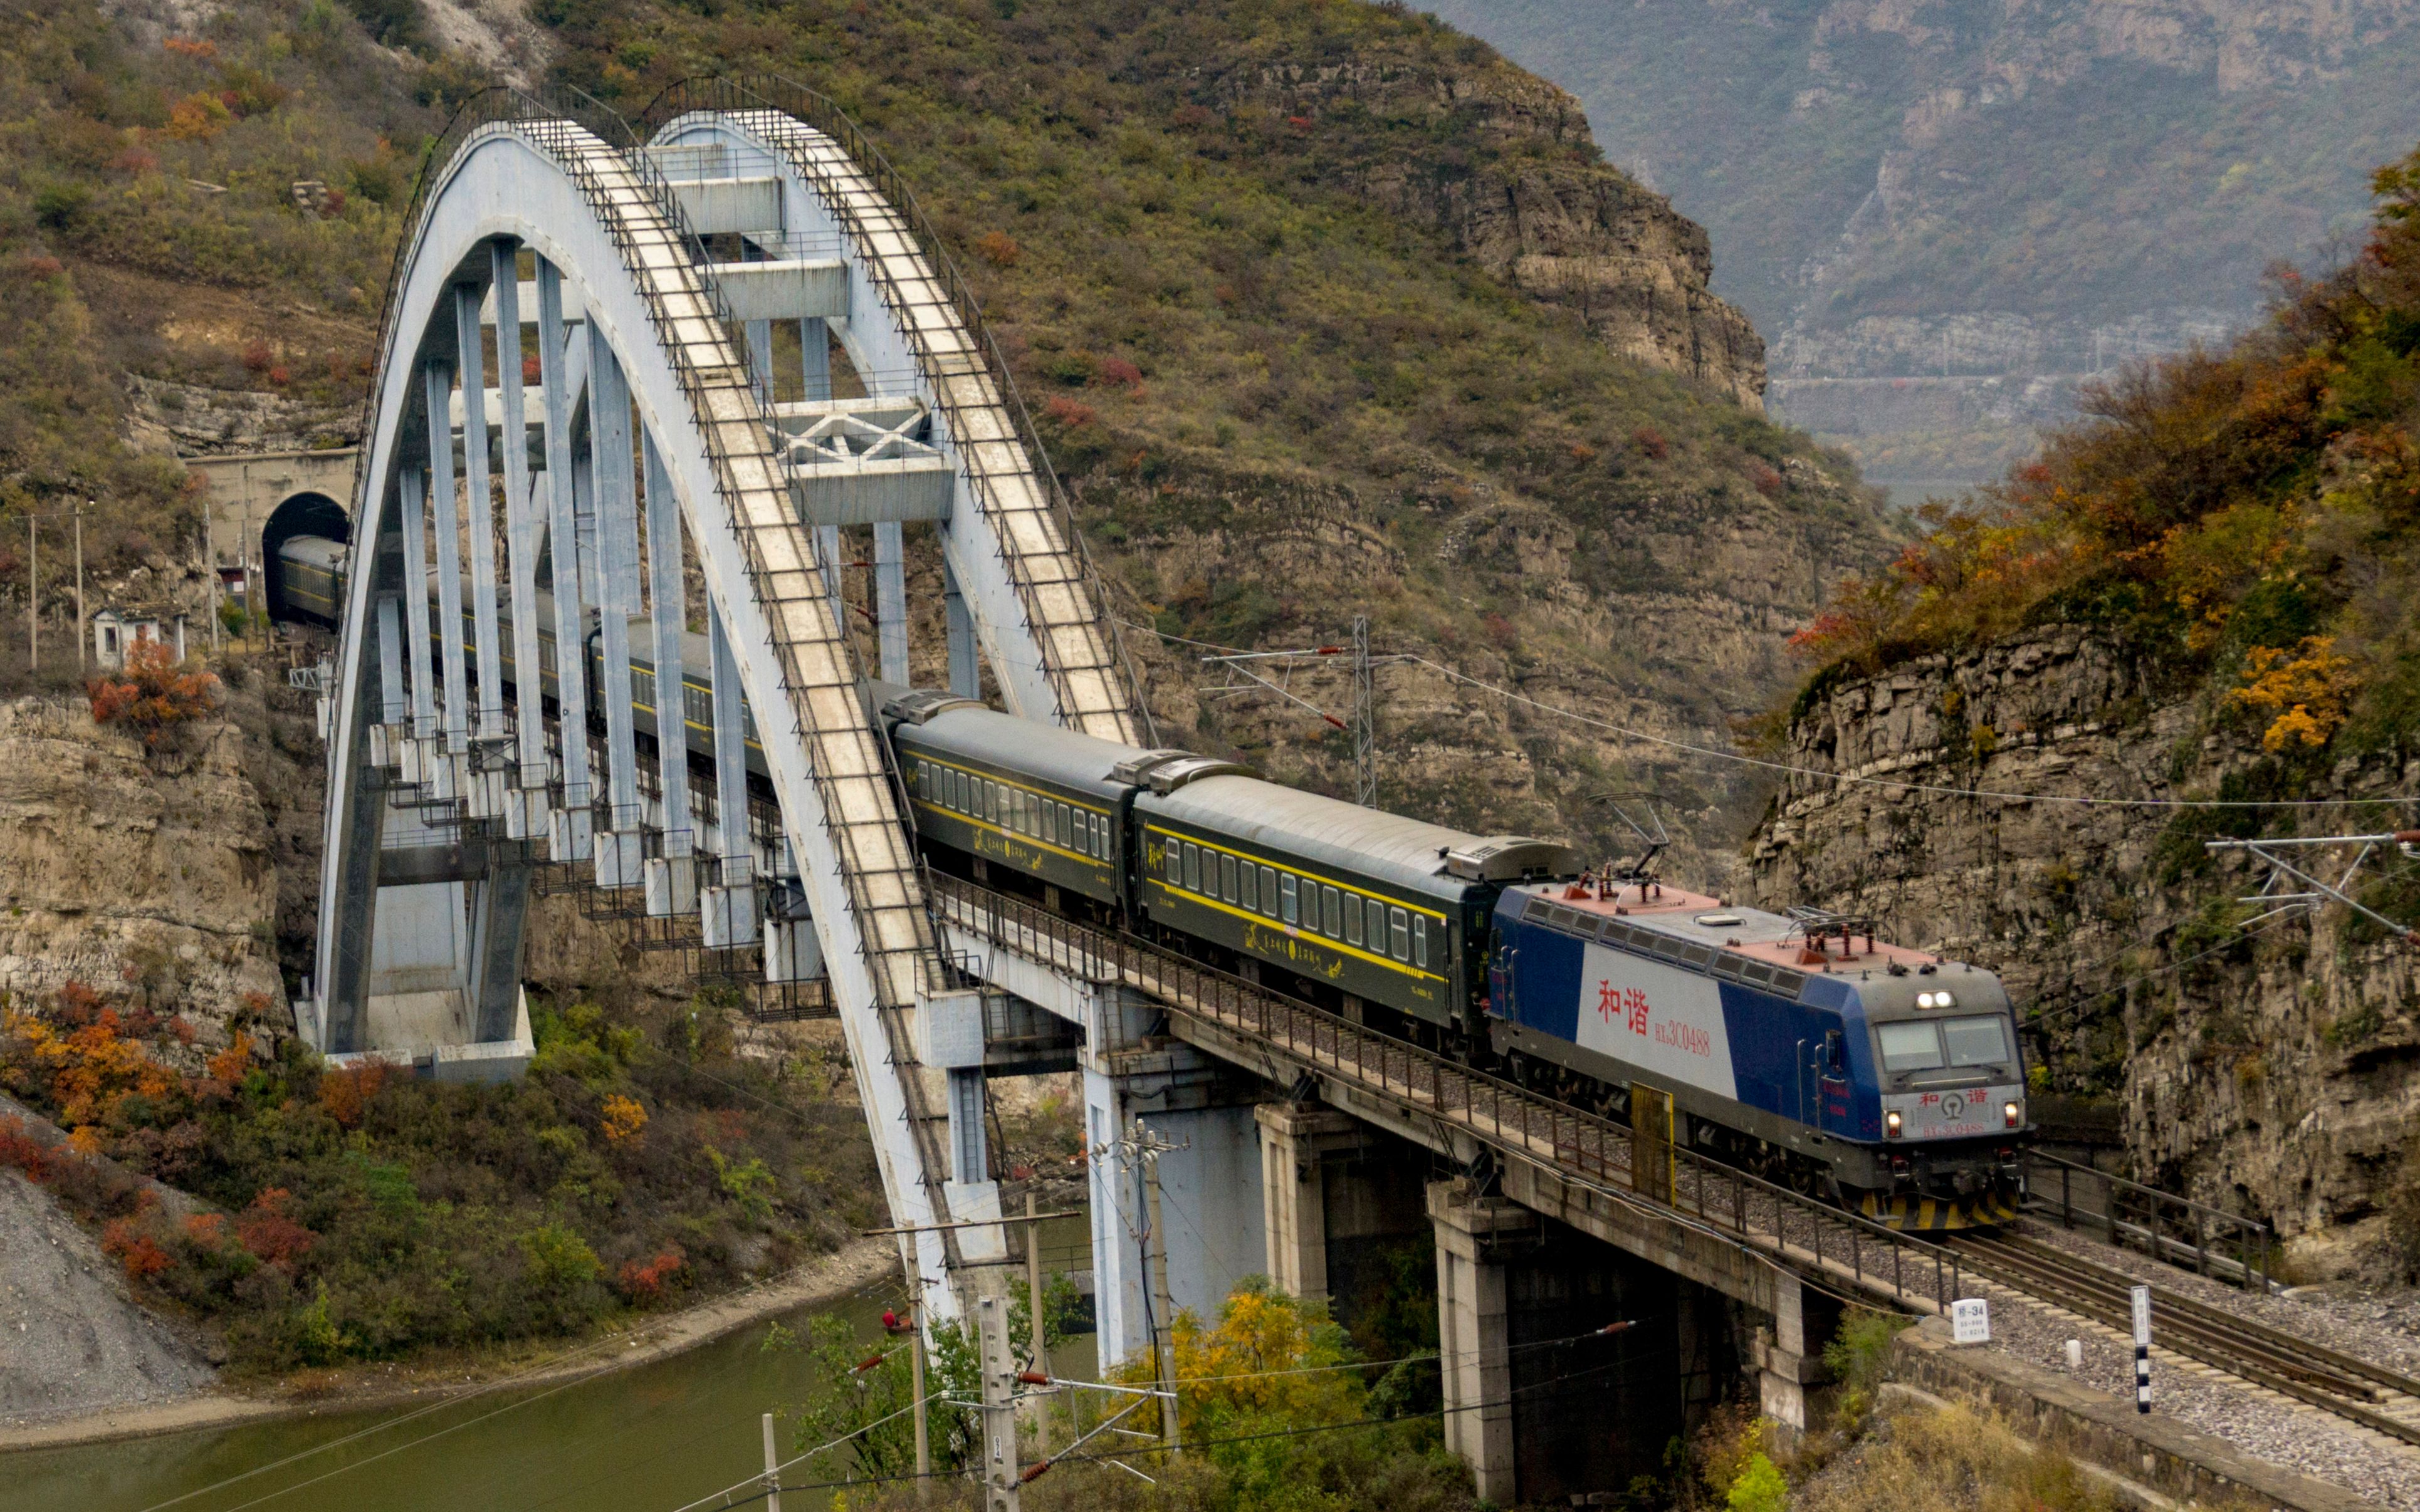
<point>308,513</point>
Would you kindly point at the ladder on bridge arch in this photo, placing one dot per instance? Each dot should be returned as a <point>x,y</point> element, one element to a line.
<point>575,405</point>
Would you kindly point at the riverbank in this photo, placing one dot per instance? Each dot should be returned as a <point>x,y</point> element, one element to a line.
<point>855,1265</point>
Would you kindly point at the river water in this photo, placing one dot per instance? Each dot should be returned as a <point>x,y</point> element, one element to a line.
<point>643,1440</point>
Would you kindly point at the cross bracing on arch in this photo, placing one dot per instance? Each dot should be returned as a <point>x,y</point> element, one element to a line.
<point>629,401</point>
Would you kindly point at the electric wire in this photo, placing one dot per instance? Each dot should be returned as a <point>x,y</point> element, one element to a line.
<point>1439,1356</point>
<point>1139,1450</point>
<point>1796,770</point>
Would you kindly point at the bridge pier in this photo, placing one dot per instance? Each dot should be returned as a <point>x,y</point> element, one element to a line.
<point>1541,1400</point>
<point>1473,1330</point>
<point>1341,1201</point>
<point>1789,1354</point>
<point>1210,1182</point>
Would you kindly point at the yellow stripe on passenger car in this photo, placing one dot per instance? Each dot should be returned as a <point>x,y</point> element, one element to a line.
<point>1354,887</point>
<point>1293,931</point>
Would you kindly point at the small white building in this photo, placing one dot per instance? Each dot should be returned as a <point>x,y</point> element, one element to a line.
<point>115,632</point>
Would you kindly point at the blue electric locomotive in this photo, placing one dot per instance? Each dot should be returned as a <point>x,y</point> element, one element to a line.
<point>1889,1076</point>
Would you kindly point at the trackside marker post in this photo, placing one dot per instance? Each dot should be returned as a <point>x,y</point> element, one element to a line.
<point>2142,1349</point>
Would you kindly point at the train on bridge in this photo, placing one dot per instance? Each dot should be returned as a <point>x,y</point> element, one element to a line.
<point>1804,1047</point>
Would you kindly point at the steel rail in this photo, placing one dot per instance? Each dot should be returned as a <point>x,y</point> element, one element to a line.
<point>2308,1372</point>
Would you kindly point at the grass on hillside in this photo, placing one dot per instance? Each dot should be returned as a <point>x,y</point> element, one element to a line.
<point>174,158</point>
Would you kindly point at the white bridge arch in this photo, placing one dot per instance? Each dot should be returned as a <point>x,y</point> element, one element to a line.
<point>641,288</point>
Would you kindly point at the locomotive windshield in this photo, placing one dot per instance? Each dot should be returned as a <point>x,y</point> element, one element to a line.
<point>1928,1044</point>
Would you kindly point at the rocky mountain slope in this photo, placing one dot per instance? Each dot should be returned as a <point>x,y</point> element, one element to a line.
<point>1329,312</point>
<point>1944,214</point>
<point>2190,620</point>
<point>156,875</point>
<point>2275,1072</point>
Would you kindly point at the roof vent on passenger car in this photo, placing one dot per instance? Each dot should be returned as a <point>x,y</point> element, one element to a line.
<point>1510,858</point>
<point>1165,771</point>
<point>918,705</point>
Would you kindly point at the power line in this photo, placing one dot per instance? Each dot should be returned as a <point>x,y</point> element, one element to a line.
<point>1793,769</point>
<point>762,1490</point>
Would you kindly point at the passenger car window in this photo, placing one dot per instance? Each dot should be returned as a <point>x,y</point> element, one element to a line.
<point>1377,911</point>
<point>1419,939</point>
<point>1352,919</point>
<point>1192,867</point>
<point>1227,877</point>
<point>1251,897</point>
<point>1399,924</point>
<point>1331,911</point>
<point>1908,1046</point>
<point>1287,896</point>
<point>1975,1042</point>
<point>1269,890</point>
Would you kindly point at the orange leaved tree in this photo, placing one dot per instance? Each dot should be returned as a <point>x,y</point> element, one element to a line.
<point>152,692</point>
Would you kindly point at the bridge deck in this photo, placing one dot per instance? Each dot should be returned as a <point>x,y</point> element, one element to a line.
<point>1709,1222</point>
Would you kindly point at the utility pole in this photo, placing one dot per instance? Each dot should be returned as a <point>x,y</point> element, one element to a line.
<point>1365,720</point>
<point>1148,1149</point>
<point>1040,1345</point>
<point>81,648</point>
<point>1361,728</point>
<point>210,562</point>
<point>916,1384</point>
<point>772,1470</point>
<point>1000,1485</point>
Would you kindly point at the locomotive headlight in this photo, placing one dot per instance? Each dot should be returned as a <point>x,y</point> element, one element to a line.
<point>1934,1000</point>
<point>1890,1124</point>
<point>2011,1114</point>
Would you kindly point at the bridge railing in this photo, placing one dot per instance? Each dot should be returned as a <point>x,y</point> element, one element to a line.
<point>2160,1224</point>
<point>774,92</point>
<point>1595,1158</point>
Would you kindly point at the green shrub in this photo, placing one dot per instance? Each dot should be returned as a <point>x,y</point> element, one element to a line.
<point>1760,1488</point>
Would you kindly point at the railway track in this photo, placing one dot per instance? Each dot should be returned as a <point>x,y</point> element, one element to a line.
<point>1917,1274</point>
<point>2370,1395</point>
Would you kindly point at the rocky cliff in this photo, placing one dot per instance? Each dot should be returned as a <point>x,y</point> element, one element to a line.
<point>2274,1070</point>
<point>1476,585</point>
<point>1529,197</point>
<point>165,878</point>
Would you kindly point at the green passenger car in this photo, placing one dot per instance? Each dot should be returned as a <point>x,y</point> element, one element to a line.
<point>1029,796</point>
<point>1390,910</point>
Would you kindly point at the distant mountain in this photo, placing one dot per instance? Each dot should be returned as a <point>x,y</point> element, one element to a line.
<point>1942,215</point>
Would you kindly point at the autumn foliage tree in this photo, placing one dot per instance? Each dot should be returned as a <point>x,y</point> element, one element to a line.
<point>152,693</point>
<point>2240,512</point>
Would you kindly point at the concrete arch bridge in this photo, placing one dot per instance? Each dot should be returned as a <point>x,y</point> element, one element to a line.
<point>644,394</point>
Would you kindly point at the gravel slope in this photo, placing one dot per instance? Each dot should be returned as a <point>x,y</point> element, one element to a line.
<point>70,1339</point>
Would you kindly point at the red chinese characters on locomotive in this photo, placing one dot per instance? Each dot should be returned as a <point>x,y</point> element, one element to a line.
<point>1627,1003</point>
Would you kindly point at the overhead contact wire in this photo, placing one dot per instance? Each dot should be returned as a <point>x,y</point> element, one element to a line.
<point>1793,769</point>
